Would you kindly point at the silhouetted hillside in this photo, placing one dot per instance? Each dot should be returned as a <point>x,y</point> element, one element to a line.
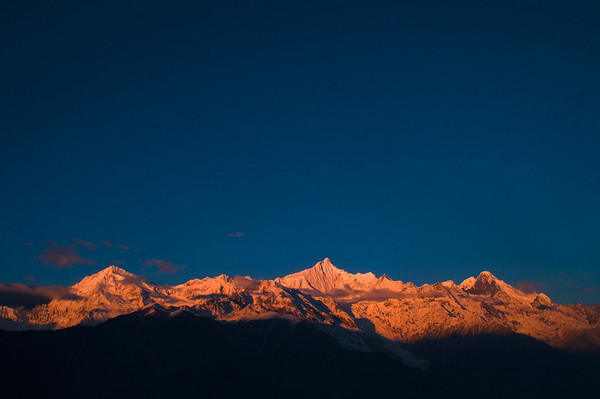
<point>152,354</point>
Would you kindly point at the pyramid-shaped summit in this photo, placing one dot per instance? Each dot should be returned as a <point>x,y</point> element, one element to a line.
<point>112,279</point>
<point>326,278</point>
<point>486,284</point>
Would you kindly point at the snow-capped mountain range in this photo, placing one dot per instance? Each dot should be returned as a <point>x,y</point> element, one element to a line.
<point>324,294</point>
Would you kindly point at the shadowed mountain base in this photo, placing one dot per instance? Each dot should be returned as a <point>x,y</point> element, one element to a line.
<point>149,354</point>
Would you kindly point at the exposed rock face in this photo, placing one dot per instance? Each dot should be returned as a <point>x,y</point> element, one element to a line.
<point>8,313</point>
<point>327,295</point>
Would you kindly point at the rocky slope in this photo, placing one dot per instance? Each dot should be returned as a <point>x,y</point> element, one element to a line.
<point>329,296</point>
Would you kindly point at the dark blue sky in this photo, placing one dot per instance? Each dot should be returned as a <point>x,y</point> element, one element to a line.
<point>425,140</point>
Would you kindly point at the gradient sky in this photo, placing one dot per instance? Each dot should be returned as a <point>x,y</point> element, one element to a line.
<point>425,140</point>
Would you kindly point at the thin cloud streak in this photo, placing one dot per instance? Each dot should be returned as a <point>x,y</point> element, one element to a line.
<point>109,244</point>
<point>90,246</point>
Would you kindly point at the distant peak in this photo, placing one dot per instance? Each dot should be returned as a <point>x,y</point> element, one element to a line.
<point>485,284</point>
<point>108,272</point>
<point>111,275</point>
<point>487,275</point>
<point>224,277</point>
<point>325,264</point>
<point>113,270</point>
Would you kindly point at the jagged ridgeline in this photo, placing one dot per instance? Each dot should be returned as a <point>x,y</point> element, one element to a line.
<point>326,295</point>
<point>318,333</point>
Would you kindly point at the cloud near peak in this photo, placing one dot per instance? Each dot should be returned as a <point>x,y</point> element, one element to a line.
<point>20,295</point>
<point>63,257</point>
<point>530,287</point>
<point>163,266</point>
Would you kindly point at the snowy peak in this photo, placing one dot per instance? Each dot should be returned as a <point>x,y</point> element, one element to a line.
<point>114,270</point>
<point>323,271</point>
<point>486,284</point>
<point>326,266</point>
<point>487,275</point>
<point>325,278</point>
<point>384,283</point>
<point>110,271</point>
<point>220,285</point>
<point>467,283</point>
<point>110,279</point>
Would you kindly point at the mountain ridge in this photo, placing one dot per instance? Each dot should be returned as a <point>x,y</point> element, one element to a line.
<point>329,296</point>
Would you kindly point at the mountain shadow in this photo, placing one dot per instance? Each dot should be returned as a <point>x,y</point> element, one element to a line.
<point>152,354</point>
